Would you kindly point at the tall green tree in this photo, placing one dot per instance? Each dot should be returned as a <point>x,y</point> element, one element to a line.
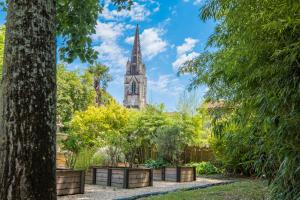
<point>75,92</point>
<point>254,69</point>
<point>101,79</point>
<point>142,130</point>
<point>28,93</point>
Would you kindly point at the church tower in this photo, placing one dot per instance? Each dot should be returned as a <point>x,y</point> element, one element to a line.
<point>135,83</point>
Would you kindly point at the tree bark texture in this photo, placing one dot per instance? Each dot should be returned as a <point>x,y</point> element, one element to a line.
<point>28,102</point>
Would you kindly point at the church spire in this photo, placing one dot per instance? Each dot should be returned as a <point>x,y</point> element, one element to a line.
<point>136,55</point>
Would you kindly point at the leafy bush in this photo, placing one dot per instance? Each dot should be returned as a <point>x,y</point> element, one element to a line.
<point>155,164</point>
<point>75,92</point>
<point>88,157</point>
<point>170,141</point>
<point>205,168</point>
<point>100,126</point>
<point>255,70</point>
<point>112,155</point>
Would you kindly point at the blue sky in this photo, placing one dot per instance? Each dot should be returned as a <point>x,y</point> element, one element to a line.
<point>171,33</point>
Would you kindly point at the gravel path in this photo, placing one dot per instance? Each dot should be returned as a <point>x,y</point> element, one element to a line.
<point>95,192</point>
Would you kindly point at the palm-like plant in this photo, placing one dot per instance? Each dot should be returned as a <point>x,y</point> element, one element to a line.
<point>101,80</point>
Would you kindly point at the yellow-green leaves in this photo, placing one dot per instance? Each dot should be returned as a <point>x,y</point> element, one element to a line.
<point>74,93</point>
<point>100,126</point>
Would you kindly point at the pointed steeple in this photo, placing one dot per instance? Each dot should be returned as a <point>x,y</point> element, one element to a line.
<point>136,55</point>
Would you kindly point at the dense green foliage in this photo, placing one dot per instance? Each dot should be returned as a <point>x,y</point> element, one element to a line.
<point>254,69</point>
<point>245,190</point>
<point>156,164</point>
<point>87,157</point>
<point>206,168</point>
<point>142,129</point>
<point>171,141</point>
<point>184,130</point>
<point>2,38</point>
<point>131,135</point>
<point>74,93</point>
<point>100,126</point>
<point>101,79</point>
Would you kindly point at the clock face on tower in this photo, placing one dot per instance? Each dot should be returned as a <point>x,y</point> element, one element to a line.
<point>135,83</point>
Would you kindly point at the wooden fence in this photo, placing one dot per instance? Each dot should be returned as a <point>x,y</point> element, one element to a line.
<point>196,154</point>
<point>190,154</point>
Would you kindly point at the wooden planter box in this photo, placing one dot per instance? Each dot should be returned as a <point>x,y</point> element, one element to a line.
<point>159,174</point>
<point>180,174</point>
<point>89,176</point>
<point>69,182</point>
<point>123,177</point>
<point>101,176</point>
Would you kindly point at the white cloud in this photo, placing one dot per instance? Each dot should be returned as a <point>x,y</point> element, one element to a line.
<point>166,84</point>
<point>108,31</point>
<point>157,8</point>
<point>187,46</point>
<point>195,2</point>
<point>151,42</point>
<point>137,12</point>
<point>182,59</point>
<point>110,53</point>
<point>185,52</point>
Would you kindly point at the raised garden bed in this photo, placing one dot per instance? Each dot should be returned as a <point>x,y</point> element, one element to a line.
<point>69,182</point>
<point>159,174</point>
<point>180,174</point>
<point>101,176</point>
<point>122,177</point>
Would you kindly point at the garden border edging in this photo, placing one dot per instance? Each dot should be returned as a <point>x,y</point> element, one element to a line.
<point>175,190</point>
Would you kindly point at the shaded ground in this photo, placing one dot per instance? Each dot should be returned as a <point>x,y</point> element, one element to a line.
<point>240,190</point>
<point>94,192</point>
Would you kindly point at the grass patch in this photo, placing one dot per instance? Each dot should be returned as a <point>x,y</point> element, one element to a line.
<point>242,190</point>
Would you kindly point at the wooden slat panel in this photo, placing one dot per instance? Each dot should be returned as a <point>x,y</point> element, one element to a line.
<point>118,171</point>
<point>104,171</point>
<point>139,180</point>
<point>117,176</point>
<point>101,176</point>
<point>69,182</point>
<point>68,185</point>
<point>68,191</point>
<point>67,173</point>
<point>67,179</point>
<point>117,180</point>
<point>103,183</point>
<point>137,185</point>
<point>119,185</point>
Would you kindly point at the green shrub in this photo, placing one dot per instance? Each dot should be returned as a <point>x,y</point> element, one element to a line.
<point>205,168</point>
<point>88,157</point>
<point>155,164</point>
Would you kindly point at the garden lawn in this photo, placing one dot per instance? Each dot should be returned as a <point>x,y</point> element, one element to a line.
<point>242,190</point>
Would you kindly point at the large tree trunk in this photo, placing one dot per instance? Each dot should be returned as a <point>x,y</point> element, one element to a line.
<point>28,102</point>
